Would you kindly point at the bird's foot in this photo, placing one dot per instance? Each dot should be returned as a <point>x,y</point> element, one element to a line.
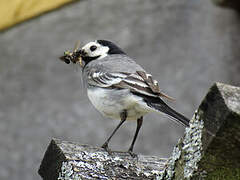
<point>105,146</point>
<point>132,154</point>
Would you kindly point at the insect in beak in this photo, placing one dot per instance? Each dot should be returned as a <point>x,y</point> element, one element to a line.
<point>66,57</point>
<point>74,57</point>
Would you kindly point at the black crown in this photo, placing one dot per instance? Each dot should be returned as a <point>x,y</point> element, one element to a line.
<point>113,48</point>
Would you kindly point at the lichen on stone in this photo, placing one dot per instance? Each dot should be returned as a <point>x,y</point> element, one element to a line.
<point>170,170</point>
<point>66,171</point>
<point>99,165</point>
<point>85,162</point>
<point>74,170</point>
<point>192,145</point>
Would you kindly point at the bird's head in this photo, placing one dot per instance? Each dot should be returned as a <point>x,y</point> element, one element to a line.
<point>99,49</point>
<point>94,50</point>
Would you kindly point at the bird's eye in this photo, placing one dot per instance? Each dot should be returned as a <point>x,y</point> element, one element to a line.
<point>93,48</point>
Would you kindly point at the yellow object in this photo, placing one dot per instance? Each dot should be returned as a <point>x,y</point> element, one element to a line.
<point>16,11</point>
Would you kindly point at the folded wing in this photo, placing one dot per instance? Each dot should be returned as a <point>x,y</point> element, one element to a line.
<point>138,82</point>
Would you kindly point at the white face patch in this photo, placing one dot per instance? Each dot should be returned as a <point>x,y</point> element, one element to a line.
<point>98,50</point>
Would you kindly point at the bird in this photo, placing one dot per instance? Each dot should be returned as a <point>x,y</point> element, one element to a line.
<point>118,87</point>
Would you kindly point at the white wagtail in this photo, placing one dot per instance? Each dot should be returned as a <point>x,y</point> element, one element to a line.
<point>118,87</point>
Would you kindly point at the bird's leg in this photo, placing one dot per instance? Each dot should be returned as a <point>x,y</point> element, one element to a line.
<point>123,117</point>
<point>139,124</point>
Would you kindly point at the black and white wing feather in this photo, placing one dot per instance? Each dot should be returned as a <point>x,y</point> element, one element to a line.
<point>139,82</point>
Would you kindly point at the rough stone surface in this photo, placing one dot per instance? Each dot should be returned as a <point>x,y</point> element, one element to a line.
<point>210,148</point>
<point>66,160</point>
<point>187,45</point>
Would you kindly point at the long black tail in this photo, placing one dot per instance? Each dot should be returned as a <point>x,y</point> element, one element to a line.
<point>163,107</point>
<point>158,104</point>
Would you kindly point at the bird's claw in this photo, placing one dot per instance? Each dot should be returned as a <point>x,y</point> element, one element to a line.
<point>105,146</point>
<point>132,154</point>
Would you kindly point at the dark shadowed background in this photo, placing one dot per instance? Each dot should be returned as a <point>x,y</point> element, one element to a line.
<point>187,45</point>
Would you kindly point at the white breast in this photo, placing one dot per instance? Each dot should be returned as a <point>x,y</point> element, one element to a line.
<point>112,102</point>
